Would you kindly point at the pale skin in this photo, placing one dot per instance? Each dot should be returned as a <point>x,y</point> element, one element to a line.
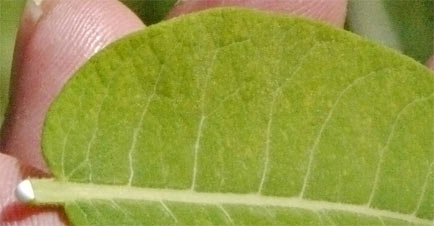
<point>55,38</point>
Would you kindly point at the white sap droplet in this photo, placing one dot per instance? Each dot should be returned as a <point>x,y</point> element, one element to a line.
<point>24,192</point>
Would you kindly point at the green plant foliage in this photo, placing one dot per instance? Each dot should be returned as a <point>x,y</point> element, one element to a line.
<point>414,22</point>
<point>10,11</point>
<point>233,116</point>
<point>150,11</point>
<point>406,25</point>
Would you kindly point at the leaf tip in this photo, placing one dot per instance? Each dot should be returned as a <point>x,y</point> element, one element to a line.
<point>24,191</point>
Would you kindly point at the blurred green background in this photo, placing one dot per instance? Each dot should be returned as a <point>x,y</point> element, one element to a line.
<point>406,25</point>
<point>10,11</point>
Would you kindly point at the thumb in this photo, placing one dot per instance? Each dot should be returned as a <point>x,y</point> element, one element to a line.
<point>55,38</point>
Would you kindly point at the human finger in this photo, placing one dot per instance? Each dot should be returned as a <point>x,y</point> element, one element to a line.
<point>55,38</point>
<point>14,213</point>
<point>329,11</point>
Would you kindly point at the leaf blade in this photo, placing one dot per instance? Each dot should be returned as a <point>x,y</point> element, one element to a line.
<point>241,111</point>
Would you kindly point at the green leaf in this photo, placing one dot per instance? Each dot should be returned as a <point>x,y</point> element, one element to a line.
<point>150,11</point>
<point>406,25</point>
<point>232,116</point>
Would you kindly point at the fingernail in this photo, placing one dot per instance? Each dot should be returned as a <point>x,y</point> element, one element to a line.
<point>33,10</point>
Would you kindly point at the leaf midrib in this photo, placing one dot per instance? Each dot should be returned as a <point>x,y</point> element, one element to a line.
<point>55,192</point>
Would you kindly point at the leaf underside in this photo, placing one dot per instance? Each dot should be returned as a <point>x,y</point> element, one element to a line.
<point>314,124</point>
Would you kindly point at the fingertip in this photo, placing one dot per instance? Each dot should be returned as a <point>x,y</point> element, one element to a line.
<point>331,11</point>
<point>55,38</point>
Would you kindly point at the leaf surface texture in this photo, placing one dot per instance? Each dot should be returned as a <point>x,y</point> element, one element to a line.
<point>233,116</point>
